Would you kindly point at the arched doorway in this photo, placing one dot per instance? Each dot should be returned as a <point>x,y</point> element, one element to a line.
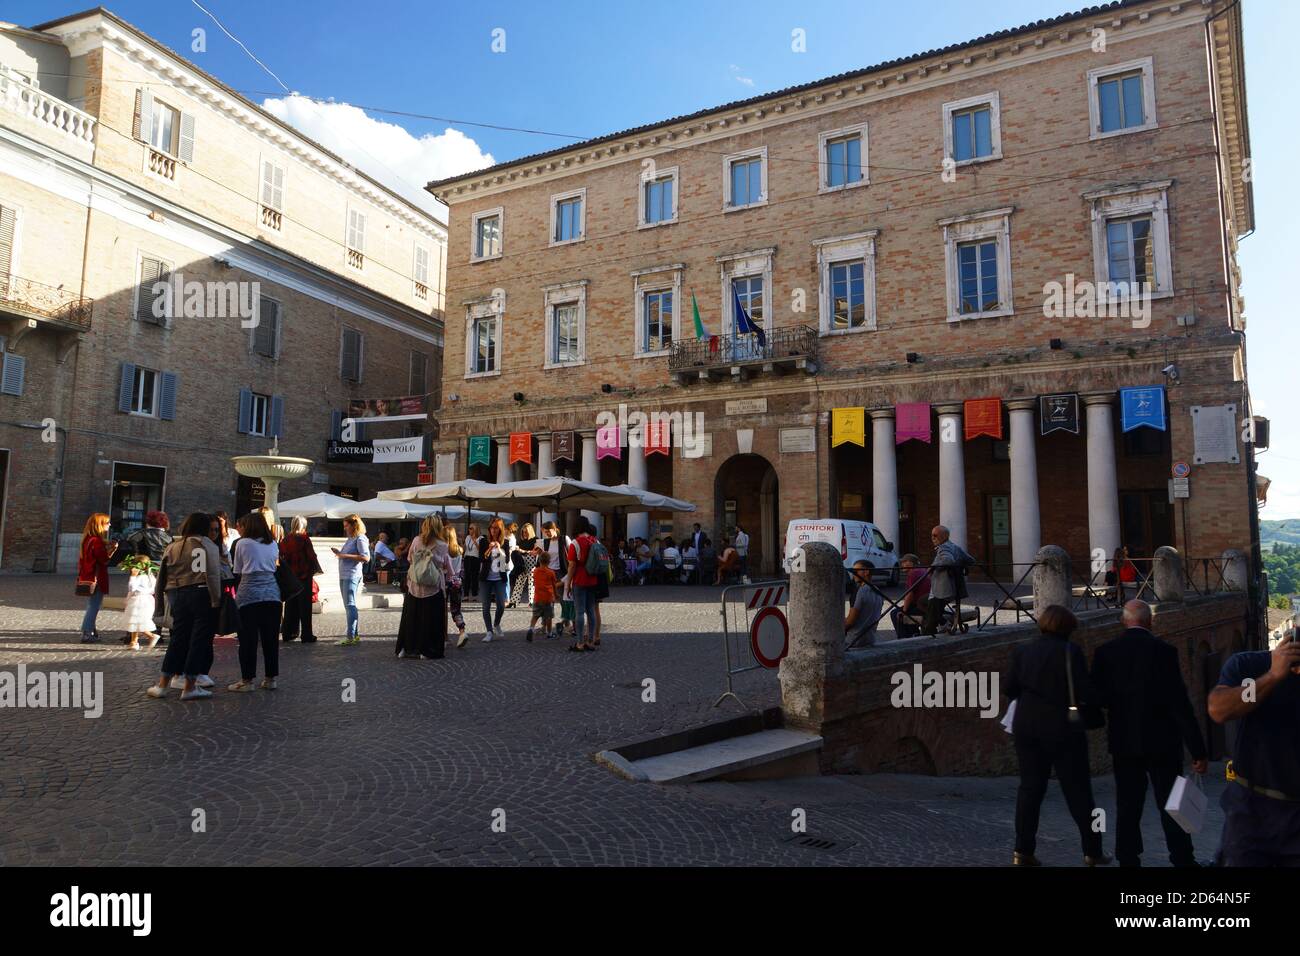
<point>745,492</point>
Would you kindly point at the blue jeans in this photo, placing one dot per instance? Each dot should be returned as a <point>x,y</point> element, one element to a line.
<point>93,604</point>
<point>584,603</point>
<point>349,587</point>
<point>493,591</point>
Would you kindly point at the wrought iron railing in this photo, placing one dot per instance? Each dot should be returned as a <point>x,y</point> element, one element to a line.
<point>37,298</point>
<point>798,341</point>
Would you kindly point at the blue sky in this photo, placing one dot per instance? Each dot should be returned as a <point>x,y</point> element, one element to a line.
<point>587,68</point>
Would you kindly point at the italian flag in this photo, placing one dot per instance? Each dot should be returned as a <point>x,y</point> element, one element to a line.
<point>700,332</point>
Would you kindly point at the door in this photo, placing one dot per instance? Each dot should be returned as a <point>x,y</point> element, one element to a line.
<point>997,515</point>
<point>1146,520</point>
<point>137,490</point>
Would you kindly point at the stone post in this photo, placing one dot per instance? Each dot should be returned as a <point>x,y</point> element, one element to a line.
<point>1236,571</point>
<point>1052,578</point>
<point>816,617</point>
<point>1168,574</point>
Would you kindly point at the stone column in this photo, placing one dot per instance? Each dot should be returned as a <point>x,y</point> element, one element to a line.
<point>638,525</point>
<point>590,470</point>
<point>1236,571</point>
<point>884,474</point>
<point>1167,574</point>
<point>1103,484</point>
<point>1025,529</point>
<point>816,617</point>
<point>1051,578</point>
<point>952,473</point>
<point>504,471</point>
<point>545,469</point>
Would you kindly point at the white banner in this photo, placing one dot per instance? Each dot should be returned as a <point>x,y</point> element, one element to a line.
<point>398,449</point>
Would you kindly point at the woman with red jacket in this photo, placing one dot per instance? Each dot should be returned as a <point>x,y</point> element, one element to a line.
<point>92,571</point>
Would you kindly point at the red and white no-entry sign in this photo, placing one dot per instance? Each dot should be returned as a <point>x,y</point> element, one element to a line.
<point>769,636</point>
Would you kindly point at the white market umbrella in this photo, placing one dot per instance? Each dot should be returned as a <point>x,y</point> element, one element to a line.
<point>319,505</point>
<point>652,501</point>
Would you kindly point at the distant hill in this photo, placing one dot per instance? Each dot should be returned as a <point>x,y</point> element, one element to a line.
<point>1284,531</point>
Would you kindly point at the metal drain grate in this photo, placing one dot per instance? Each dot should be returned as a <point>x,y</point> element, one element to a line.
<point>818,843</point>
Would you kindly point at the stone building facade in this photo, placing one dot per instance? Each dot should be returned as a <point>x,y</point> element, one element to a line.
<point>903,235</point>
<point>122,163</point>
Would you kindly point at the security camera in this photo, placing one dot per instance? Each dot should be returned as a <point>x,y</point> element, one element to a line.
<point>1171,372</point>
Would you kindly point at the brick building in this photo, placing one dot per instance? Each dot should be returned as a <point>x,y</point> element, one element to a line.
<point>122,163</point>
<point>903,234</point>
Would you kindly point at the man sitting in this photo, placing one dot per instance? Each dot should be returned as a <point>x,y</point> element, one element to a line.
<point>382,557</point>
<point>916,584</point>
<point>864,615</point>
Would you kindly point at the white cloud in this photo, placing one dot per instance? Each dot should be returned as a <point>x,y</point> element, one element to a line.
<point>384,151</point>
<point>746,80</point>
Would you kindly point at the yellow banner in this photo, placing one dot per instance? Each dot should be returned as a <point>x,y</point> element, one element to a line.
<point>848,425</point>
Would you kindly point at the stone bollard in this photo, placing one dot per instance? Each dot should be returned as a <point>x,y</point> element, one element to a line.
<point>816,617</point>
<point>1167,575</point>
<point>1051,578</point>
<point>1236,573</point>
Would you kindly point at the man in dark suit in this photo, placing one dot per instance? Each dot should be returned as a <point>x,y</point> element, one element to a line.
<point>1140,684</point>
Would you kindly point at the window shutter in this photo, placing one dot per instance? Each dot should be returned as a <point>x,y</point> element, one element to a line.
<point>267,333</point>
<point>245,411</point>
<point>15,370</point>
<point>167,402</point>
<point>186,148</point>
<point>126,388</point>
<point>151,272</point>
<point>142,125</point>
<point>8,222</point>
<point>277,414</point>
<point>336,425</point>
<point>351,359</point>
<point>272,185</point>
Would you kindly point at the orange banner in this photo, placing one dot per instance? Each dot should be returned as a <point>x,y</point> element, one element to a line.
<point>658,438</point>
<point>983,417</point>
<point>521,447</point>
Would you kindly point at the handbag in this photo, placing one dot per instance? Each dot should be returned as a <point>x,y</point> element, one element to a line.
<point>227,614</point>
<point>86,588</point>
<point>1079,718</point>
<point>290,586</point>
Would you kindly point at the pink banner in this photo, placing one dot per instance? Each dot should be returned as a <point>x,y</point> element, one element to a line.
<point>608,444</point>
<point>911,420</point>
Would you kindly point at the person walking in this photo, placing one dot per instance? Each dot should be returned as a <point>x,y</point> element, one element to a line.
<point>544,583</point>
<point>299,554</point>
<point>1055,701</point>
<point>495,552</point>
<point>352,558</point>
<point>140,601</point>
<point>258,596</point>
<point>456,584</point>
<point>741,543</point>
<point>512,545</point>
<point>92,572</point>
<point>422,632</point>
<point>522,560</point>
<point>582,583</point>
<point>472,562</point>
<point>189,581</point>
<point>1140,683</point>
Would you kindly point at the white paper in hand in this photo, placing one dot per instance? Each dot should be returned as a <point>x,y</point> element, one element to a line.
<point>1010,717</point>
<point>1186,804</point>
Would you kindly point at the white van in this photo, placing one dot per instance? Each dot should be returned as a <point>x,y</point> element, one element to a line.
<point>856,540</point>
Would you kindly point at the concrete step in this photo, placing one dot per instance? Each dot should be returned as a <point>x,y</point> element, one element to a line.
<point>775,752</point>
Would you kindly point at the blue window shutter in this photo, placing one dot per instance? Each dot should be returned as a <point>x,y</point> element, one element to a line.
<point>126,388</point>
<point>245,411</point>
<point>336,425</point>
<point>15,369</point>
<point>277,414</point>
<point>167,402</point>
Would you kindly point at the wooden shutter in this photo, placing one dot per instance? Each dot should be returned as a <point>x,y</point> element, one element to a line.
<point>266,335</point>
<point>245,411</point>
<point>126,388</point>
<point>167,401</point>
<point>351,360</point>
<point>15,370</point>
<point>336,425</point>
<point>8,223</point>
<point>152,271</point>
<point>142,125</point>
<point>356,231</point>
<point>185,150</point>
<point>277,415</point>
<point>419,373</point>
<point>272,186</point>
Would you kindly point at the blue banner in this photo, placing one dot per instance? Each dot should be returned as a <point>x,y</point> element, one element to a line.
<point>1142,407</point>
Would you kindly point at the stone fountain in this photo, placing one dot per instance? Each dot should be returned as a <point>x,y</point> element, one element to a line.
<point>272,469</point>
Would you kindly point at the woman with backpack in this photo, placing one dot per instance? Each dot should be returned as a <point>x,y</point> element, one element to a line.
<point>583,579</point>
<point>494,551</point>
<point>423,628</point>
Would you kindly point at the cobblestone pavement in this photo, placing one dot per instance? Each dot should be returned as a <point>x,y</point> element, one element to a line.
<point>414,770</point>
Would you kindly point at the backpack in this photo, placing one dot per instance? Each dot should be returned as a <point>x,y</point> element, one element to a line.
<point>597,563</point>
<point>425,571</point>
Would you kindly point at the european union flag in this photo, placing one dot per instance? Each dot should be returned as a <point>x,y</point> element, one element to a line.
<point>744,324</point>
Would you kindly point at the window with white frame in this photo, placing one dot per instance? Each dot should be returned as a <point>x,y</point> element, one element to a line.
<point>356,238</point>
<point>1130,239</point>
<point>843,155</point>
<point>977,253</point>
<point>259,418</point>
<point>420,271</point>
<point>167,131</point>
<point>657,320</point>
<point>164,128</point>
<point>486,235</point>
<point>144,392</point>
<point>972,129</point>
<point>1122,98</point>
<point>483,322</point>
<point>566,320</point>
<point>272,185</point>
<point>847,268</point>
<point>658,198</point>
<point>568,217</point>
<point>658,300</point>
<point>745,179</point>
<point>747,281</point>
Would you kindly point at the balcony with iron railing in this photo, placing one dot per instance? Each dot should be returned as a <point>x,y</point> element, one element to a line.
<point>31,110</point>
<point>739,356</point>
<point>27,306</point>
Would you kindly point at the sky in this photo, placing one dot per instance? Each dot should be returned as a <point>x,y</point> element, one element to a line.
<point>490,72</point>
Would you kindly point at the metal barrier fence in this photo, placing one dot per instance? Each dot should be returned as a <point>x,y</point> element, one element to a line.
<point>740,604</point>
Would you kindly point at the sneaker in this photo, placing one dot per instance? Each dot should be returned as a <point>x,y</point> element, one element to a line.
<point>487,638</point>
<point>270,683</point>
<point>241,687</point>
<point>153,641</point>
<point>90,638</point>
<point>551,635</point>
<point>204,681</point>
<point>349,641</point>
<point>177,682</point>
<point>529,636</point>
<point>198,693</point>
<point>499,635</point>
<point>157,692</point>
<point>464,637</point>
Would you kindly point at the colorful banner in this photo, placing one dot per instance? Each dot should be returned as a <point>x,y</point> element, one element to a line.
<point>608,444</point>
<point>405,409</point>
<point>1142,407</point>
<point>562,446</point>
<point>911,420</point>
<point>848,425</point>
<point>1058,413</point>
<point>480,450</point>
<point>983,416</point>
<point>658,438</point>
<point>521,447</point>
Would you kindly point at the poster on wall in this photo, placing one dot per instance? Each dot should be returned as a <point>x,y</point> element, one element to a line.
<point>405,409</point>
<point>381,451</point>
